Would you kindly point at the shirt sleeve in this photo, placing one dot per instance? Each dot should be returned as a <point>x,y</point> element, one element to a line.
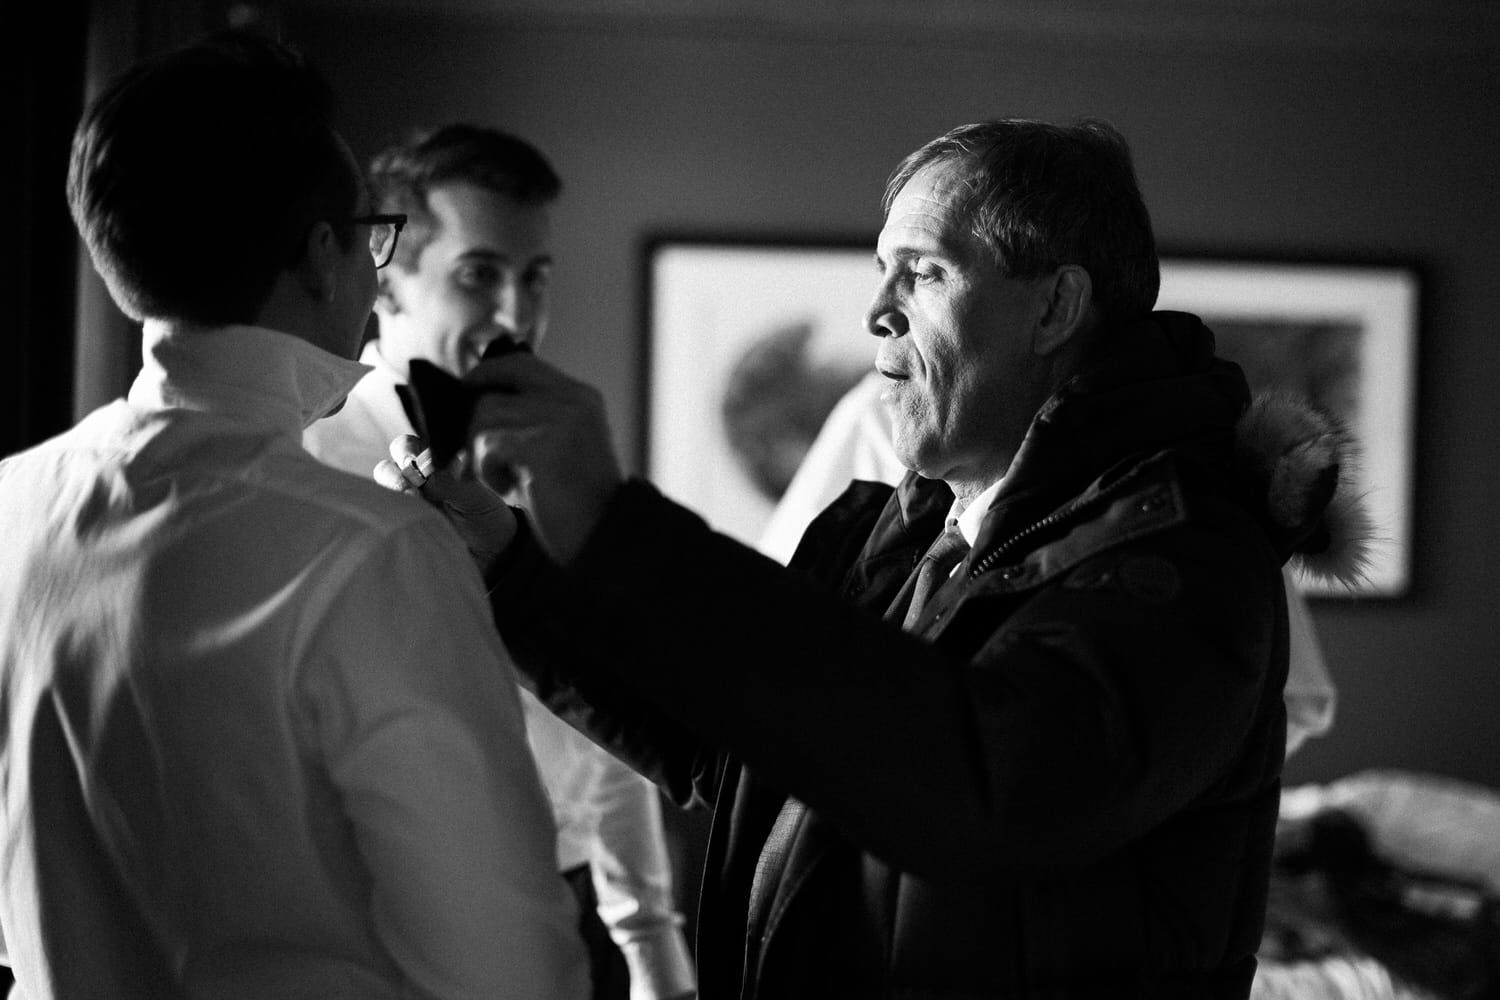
<point>1310,693</point>
<point>633,881</point>
<point>411,701</point>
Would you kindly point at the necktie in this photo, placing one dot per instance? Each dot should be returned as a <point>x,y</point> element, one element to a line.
<point>934,569</point>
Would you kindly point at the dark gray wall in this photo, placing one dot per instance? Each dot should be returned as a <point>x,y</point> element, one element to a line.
<point>1292,148</point>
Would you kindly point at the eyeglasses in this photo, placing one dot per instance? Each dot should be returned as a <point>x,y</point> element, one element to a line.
<point>384,229</point>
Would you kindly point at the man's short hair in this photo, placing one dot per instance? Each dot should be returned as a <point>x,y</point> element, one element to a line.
<point>1044,195</point>
<point>402,176</point>
<point>196,176</point>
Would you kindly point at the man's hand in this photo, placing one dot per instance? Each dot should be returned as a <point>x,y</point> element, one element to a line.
<point>476,512</point>
<point>544,437</point>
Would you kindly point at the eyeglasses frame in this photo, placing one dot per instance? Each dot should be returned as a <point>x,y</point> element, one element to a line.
<point>396,220</point>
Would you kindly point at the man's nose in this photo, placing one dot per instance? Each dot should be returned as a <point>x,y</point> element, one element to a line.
<point>883,318</point>
<point>511,311</point>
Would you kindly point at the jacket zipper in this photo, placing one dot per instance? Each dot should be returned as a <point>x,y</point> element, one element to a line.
<point>987,562</point>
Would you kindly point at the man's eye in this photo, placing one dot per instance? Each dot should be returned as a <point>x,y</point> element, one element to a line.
<point>477,276</point>
<point>537,281</point>
<point>922,272</point>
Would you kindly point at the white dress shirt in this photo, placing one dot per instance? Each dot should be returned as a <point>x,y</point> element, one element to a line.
<point>608,816</point>
<point>855,443</point>
<point>295,731</point>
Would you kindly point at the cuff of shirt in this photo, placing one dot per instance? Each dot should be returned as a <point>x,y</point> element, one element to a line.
<point>660,968</point>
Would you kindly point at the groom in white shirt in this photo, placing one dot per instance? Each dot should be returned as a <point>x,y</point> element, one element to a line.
<point>258,736</point>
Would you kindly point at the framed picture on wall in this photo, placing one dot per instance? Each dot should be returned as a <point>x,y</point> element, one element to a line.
<point>750,344</point>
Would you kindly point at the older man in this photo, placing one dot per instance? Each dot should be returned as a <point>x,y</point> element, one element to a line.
<point>1011,729</point>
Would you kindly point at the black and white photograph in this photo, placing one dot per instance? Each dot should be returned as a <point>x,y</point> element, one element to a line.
<point>751,500</point>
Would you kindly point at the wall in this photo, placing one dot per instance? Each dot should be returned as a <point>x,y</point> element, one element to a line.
<point>1305,146</point>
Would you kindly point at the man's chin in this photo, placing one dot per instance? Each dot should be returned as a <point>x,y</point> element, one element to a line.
<point>906,440</point>
<point>917,454</point>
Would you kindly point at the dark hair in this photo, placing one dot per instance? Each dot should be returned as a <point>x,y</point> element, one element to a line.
<point>1044,195</point>
<point>195,177</point>
<point>402,176</point>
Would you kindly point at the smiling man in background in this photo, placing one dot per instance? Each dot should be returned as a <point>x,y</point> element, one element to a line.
<point>474,266</point>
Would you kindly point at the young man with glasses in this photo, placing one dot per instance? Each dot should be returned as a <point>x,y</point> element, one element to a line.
<point>259,738</point>
<point>474,270</point>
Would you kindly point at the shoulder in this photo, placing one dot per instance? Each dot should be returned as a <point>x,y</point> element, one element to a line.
<point>1167,506</point>
<point>383,575</point>
<point>285,508</point>
<point>352,501</point>
<point>836,536</point>
<point>858,505</point>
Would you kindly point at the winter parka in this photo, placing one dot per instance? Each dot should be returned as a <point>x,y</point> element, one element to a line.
<point>1063,782</point>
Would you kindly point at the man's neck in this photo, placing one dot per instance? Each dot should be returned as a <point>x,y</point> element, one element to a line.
<point>969,515</point>
<point>395,351</point>
<point>386,358</point>
<point>968,484</point>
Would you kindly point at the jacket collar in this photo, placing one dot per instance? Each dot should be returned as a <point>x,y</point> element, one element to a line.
<point>1152,384</point>
<point>249,373</point>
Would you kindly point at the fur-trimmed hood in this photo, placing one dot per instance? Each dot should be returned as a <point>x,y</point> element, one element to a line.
<point>1302,463</point>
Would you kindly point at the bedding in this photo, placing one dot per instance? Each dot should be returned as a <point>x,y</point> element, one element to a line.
<point>1386,886</point>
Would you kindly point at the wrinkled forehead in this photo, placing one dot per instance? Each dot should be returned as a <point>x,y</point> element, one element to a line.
<point>931,207</point>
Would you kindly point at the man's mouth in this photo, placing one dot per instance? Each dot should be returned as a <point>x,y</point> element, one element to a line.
<point>476,349</point>
<point>893,374</point>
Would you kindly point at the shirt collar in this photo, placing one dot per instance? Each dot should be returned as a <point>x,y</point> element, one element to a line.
<point>969,518</point>
<point>247,372</point>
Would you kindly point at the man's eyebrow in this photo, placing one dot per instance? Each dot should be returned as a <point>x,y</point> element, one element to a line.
<point>902,254</point>
<point>486,254</point>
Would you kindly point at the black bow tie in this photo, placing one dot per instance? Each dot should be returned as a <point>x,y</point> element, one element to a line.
<point>440,406</point>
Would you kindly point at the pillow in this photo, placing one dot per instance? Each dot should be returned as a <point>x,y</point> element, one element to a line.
<point>1416,822</point>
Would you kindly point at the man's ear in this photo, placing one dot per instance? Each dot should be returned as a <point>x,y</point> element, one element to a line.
<point>318,267</point>
<point>1068,309</point>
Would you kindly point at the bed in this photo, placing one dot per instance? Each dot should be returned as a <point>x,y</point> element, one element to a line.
<point>1386,886</point>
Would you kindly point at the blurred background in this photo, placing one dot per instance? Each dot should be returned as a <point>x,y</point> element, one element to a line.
<point>1342,130</point>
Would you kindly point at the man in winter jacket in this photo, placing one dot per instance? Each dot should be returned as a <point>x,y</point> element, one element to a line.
<point>1011,729</point>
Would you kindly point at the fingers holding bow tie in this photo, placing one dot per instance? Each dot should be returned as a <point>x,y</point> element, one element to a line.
<point>409,467</point>
<point>477,513</point>
<point>546,434</point>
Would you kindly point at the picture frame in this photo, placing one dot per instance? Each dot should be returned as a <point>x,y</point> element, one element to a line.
<point>749,342</point>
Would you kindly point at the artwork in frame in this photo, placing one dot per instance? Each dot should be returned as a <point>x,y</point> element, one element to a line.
<point>749,345</point>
